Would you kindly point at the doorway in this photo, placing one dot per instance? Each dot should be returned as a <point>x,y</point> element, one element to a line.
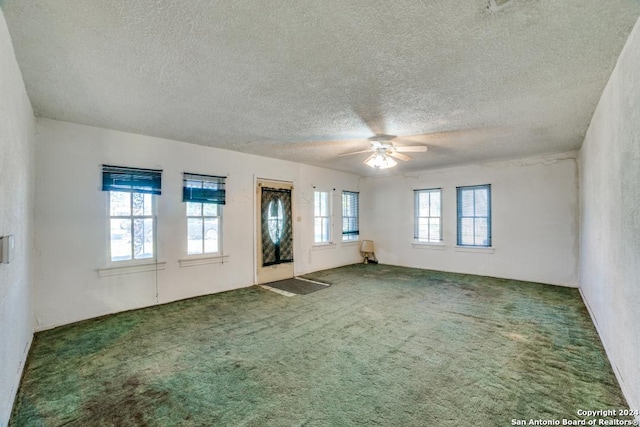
<point>274,231</point>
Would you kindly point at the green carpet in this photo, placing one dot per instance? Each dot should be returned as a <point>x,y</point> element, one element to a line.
<point>383,346</point>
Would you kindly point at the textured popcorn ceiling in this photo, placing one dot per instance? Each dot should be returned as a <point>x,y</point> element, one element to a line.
<point>295,79</point>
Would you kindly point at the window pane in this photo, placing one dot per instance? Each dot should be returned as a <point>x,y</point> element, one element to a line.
<point>467,202</point>
<point>481,202</point>
<point>120,239</point>
<point>352,224</point>
<point>119,203</point>
<point>194,235</point>
<point>211,235</point>
<point>316,203</point>
<point>466,231</point>
<point>142,238</point>
<point>423,228</point>
<point>481,232</point>
<point>434,229</point>
<point>148,207</point>
<point>435,204</point>
<point>209,209</point>
<point>149,238</point>
<point>325,229</point>
<point>347,204</point>
<point>194,209</point>
<point>210,185</point>
<point>317,229</point>
<point>193,184</point>
<point>423,204</point>
<point>324,204</point>
<point>138,204</point>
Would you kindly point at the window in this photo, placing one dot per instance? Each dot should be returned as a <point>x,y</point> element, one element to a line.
<point>474,215</point>
<point>321,217</point>
<point>350,212</point>
<point>204,196</point>
<point>428,215</point>
<point>132,211</point>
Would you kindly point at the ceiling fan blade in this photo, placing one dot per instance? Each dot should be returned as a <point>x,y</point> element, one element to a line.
<point>369,158</point>
<point>399,156</point>
<point>412,149</point>
<point>354,152</point>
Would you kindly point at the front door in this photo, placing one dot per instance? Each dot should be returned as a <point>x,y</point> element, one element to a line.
<point>275,231</point>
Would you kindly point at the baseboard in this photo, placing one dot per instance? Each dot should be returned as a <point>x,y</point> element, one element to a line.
<point>15,385</point>
<point>616,370</point>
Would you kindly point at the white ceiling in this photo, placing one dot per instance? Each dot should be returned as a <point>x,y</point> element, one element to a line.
<point>293,79</point>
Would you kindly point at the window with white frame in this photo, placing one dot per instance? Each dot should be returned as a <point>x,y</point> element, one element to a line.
<point>350,216</point>
<point>428,215</point>
<point>322,217</point>
<point>132,211</point>
<point>474,215</point>
<point>204,196</point>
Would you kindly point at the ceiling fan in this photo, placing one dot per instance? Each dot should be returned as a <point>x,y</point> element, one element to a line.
<point>383,152</point>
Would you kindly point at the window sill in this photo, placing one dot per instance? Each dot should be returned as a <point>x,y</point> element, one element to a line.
<point>132,268</point>
<point>429,245</point>
<point>322,246</point>
<point>351,242</point>
<point>476,249</point>
<point>190,262</point>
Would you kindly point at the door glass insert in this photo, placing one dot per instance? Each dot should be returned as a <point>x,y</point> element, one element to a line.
<point>277,227</point>
<point>276,220</point>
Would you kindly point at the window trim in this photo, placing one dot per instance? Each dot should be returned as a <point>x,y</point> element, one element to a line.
<point>459,217</point>
<point>416,217</point>
<point>133,262</point>
<point>132,180</point>
<point>328,217</point>
<point>204,217</point>
<point>215,196</point>
<point>356,232</point>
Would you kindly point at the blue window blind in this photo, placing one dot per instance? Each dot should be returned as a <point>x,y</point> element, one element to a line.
<point>474,215</point>
<point>204,189</point>
<point>131,180</point>
<point>350,215</point>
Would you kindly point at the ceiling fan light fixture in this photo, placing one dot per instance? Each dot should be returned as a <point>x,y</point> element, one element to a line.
<point>381,161</point>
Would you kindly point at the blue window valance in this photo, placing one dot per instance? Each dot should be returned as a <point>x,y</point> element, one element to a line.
<point>130,180</point>
<point>204,189</point>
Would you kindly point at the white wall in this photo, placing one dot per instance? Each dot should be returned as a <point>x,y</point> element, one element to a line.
<point>16,218</point>
<point>71,220</point>
<point>534,219</point>
<point>610,219</point>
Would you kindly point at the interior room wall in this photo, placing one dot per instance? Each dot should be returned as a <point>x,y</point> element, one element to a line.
<point>610,218</point>
<point>71,219</point>
<point>16,218</point>
<point>534,219</point>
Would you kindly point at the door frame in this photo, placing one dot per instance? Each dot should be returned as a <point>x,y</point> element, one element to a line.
<point>258,182</point>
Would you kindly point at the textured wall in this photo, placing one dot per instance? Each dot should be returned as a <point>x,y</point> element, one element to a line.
<point>534,220</point>
<point>610,219</point>
<point>16,195</point>
<point>71,219</point>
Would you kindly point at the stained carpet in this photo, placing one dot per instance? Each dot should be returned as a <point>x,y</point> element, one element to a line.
<point>383,346</point>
